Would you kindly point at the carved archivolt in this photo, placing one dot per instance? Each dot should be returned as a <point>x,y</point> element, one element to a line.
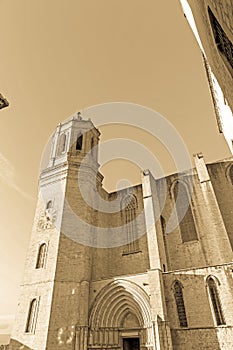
<point>110,314</point>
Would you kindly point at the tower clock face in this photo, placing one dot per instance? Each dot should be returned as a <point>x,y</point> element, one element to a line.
<point>47,219</point>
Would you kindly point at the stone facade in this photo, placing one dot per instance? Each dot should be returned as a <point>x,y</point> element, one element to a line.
<point>113,270</point>
<point>212,25</point>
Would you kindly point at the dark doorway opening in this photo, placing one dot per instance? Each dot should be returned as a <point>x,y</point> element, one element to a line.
<point>131,344</point>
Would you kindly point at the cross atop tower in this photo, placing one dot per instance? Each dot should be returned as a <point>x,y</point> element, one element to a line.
<point>78,116</point>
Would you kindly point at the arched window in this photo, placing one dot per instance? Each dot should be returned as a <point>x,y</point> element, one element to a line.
<point>215,301</point>
<point>40,264</point>
<point>178,293</point>
<point>129,206</point>
<point>79,142</point>
<point>61,144</point>
<point>184,213</point>
<point>49,205</point>
<point>32,316</point>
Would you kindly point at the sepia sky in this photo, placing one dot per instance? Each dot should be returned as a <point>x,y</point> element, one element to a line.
<point>59,57</point>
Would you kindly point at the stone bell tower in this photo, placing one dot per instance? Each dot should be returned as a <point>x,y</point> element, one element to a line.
<point>54,294</point>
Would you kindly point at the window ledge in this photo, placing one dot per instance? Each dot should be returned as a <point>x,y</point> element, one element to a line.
<point>191,242</point>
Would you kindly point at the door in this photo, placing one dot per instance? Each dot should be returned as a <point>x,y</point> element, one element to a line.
<point>131,344</point>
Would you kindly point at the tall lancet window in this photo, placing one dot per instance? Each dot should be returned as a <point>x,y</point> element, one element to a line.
<point>79,142</point>
<point>178,294</point>
<point>215,301</point>
<point>184,213</point>
<point>41,257</point>
<point>61,144</point>
<point>163,226</point>
<point>32,316</point>
<point>129,207</point>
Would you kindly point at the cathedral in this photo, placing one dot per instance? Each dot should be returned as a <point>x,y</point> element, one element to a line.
<point>147,267</point>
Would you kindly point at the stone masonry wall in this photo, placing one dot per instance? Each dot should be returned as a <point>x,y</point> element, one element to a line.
<point>196,298</point>
<point>223,12</point>
<point>223,188</point>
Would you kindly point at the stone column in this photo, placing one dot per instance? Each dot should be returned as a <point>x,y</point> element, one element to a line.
<point>81,341</point>
<point>157,257</point>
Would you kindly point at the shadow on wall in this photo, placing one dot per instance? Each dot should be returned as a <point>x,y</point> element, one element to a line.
<point>16,345</point>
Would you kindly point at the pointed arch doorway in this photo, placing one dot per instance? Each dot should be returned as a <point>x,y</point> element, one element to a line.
<point>131,344</point>
<point>120,318</point>
<point>130,332</point>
